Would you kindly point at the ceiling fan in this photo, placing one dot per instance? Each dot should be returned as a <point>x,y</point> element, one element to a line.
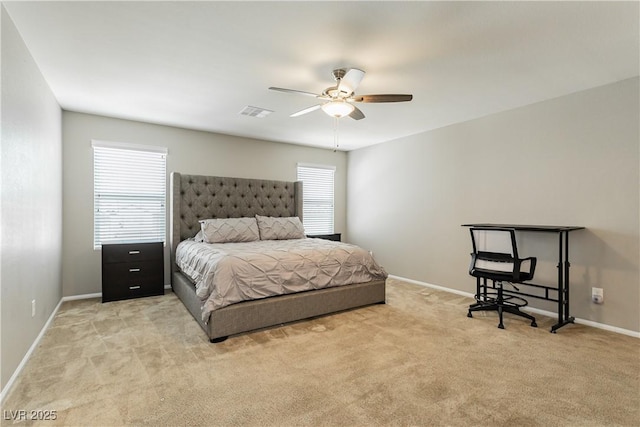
<point>340,98</point>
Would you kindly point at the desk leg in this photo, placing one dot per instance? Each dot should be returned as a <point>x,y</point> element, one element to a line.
<point>560,284</point>
<point>563,282</point>
<point>567,265</point>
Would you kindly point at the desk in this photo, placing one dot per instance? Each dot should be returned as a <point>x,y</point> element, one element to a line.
<point>563,267</point>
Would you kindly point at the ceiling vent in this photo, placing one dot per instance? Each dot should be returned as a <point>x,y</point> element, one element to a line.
<point>255,112</point>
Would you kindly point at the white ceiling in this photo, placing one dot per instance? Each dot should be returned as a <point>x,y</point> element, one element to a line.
<point>198,64</point>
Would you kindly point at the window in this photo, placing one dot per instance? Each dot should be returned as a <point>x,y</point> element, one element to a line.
<point>129,193</point>
<point>317,198</point>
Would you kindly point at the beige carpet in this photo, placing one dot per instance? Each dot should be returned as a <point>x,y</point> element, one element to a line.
<point>418,360</point>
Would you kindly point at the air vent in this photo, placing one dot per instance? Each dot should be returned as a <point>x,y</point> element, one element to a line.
<point>255,112</point>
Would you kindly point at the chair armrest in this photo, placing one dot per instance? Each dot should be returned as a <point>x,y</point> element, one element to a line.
<point>528,265</point>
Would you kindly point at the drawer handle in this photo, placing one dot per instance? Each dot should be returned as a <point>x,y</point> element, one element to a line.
<point>134,270</point>
<point>134,287</point>
<point>134,252</point>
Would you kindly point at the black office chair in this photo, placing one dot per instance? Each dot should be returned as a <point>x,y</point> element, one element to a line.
<point>495,258</point>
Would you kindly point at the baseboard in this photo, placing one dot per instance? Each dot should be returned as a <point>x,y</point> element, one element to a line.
<point>591,323</point>
<point>83,296</point>
<point>608,327</point>
<point>7,388</point>
<point>430,285</point>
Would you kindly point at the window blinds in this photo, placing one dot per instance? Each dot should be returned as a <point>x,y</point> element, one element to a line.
<point>129,193</point>
<point>317,198</point>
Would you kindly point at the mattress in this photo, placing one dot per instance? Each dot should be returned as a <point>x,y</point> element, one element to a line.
<point>229,273</point>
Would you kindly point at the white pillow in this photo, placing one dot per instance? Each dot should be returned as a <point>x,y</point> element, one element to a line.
<point>226,230</point>
<point>274,228</point>
<point>199,237</point>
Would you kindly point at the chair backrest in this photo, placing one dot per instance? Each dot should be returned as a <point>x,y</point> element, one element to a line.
<point>495,255</point>
<point>494,240</point>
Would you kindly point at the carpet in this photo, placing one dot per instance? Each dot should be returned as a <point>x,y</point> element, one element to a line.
<point>415,361</point>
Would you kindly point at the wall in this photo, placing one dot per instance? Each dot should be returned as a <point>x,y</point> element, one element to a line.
<point>568,161</point>
<point>31,185</point>
<point>190,152</point>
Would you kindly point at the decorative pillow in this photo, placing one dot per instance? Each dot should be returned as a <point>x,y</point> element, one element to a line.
<point>226,230</point>
<point>199,237</point>
<point>273,228</point>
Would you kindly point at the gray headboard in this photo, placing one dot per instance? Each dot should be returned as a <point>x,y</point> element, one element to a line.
<point>196,197</point>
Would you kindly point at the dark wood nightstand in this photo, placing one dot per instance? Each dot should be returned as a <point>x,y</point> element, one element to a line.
<point>132,270</point>
<point>335,236</point>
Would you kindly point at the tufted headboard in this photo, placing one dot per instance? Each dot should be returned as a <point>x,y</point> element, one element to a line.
<point>196,197</point>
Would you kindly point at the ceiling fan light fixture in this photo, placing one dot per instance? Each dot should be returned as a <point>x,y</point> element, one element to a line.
<point>338,108</point>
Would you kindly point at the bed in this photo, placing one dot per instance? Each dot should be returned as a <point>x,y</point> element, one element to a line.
<point>198,197</point>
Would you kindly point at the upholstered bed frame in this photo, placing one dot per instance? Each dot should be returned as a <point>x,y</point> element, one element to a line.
<point>196,197</point>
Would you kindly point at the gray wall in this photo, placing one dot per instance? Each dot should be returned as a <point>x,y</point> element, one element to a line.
<point>569,161</point>
<point>190,152</point>
<point>31,185</point>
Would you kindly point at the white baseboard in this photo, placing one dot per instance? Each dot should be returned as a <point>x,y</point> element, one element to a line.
<point>531,309</point>
<point>608,327</point>
<point>83,296</point>
<point>25,359</point>
<point>430,285</point>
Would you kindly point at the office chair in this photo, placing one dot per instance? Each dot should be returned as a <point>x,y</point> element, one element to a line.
<point>495,258</point>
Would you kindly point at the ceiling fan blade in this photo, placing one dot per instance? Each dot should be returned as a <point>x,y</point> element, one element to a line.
<point>356,114</point>
<point>349,83</point>
<point>301,92</point>
<point>383,98</point>
<point>305,111</point>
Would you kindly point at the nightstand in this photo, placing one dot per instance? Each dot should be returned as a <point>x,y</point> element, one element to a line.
<point>335,236</point>
<point>132,270</point>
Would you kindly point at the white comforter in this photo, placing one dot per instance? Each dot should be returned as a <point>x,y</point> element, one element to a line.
<point>227,273</point>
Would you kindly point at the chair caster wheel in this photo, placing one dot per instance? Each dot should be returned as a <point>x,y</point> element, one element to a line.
<point>469,314</point>
<point>534,325</point>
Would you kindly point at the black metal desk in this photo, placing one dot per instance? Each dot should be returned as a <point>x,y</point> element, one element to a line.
<point>563,268</point>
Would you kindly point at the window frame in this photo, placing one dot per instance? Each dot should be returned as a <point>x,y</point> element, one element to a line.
<point>312,229</point>
<point>157,231</point>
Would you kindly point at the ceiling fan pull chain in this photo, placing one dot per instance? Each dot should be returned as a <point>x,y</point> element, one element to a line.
<point>335,134</point>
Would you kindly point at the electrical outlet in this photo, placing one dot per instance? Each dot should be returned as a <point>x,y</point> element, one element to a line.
<point>597,295</point>
<point>33,308</point>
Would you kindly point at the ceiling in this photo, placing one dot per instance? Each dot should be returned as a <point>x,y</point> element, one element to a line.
<point>196,65</point>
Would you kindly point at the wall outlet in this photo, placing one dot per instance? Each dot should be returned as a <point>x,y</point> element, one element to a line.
<point>597,295</point>
<point>33,308</point>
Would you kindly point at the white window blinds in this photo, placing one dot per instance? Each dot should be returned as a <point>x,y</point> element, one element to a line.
<point>129,193</point>
<point>317,198</point>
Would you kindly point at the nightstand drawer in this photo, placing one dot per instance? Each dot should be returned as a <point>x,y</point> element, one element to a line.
<point>335,236</point>
<point>144,287</point>
<point>125,272</point>
<point>131,252</point>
